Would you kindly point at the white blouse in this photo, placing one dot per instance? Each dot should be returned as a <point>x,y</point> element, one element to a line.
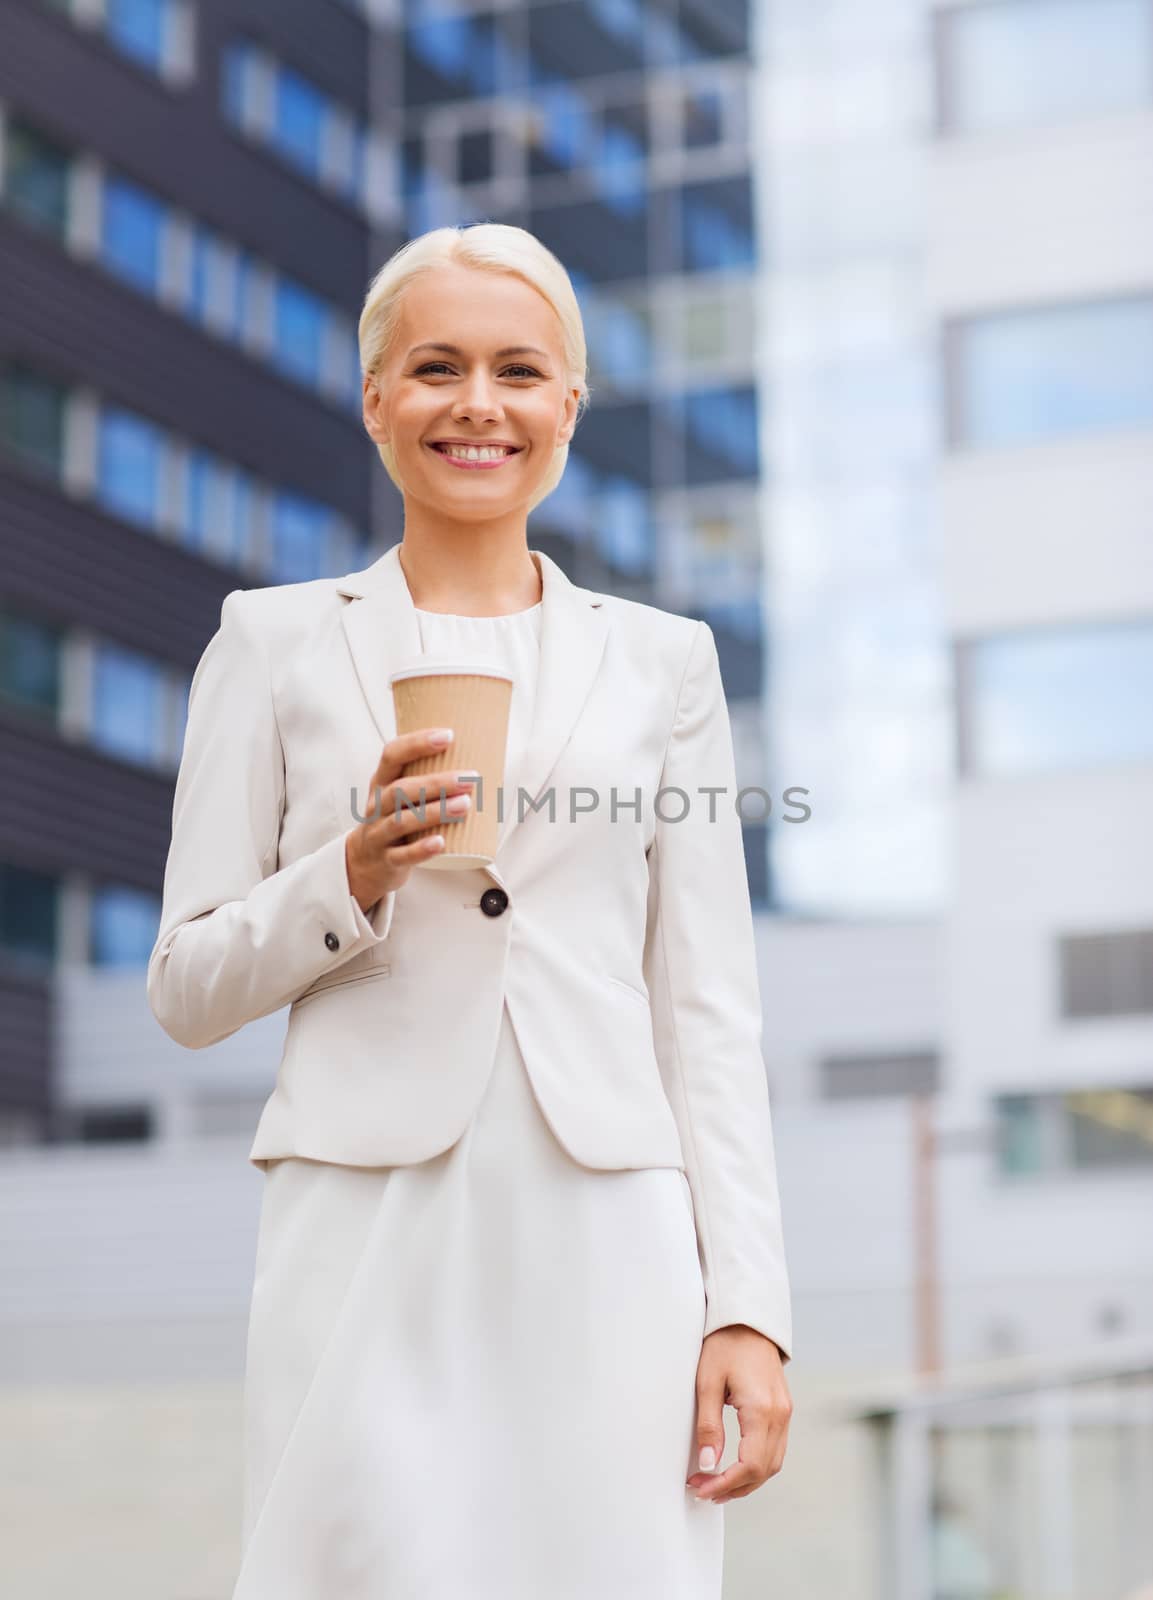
<point>511,641</point>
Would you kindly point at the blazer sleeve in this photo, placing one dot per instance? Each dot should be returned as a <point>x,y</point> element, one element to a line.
<point>238,938</point>
<point>701,972</point>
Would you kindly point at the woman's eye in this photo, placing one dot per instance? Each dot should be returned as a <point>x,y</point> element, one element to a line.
<point>432,366</point>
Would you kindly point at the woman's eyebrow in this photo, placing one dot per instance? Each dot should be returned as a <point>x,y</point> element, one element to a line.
<point>455,350</point>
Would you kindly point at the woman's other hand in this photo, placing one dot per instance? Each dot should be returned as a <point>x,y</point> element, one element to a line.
<point>740,1365</point>
<point>378,852</point>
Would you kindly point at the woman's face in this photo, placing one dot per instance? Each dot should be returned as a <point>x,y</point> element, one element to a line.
<point>502,382</point>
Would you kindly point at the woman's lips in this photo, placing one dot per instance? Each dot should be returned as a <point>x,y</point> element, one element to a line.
<point>473,466</point>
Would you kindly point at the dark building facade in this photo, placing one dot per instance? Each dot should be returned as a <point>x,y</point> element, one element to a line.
<point>193,198</point>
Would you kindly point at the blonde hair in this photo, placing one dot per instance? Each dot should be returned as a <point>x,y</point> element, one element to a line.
<point>493,247</point>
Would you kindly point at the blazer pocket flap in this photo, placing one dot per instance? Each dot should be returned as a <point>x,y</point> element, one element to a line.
<point>353,971</point>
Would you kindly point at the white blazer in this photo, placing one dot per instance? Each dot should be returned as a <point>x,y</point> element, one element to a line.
<point>625,951</point>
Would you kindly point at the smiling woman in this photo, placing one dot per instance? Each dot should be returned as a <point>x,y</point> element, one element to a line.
<point>479,390</point>
<point>519,1235</point>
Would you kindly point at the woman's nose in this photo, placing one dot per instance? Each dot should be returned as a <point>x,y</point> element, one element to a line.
<point>478,400</point>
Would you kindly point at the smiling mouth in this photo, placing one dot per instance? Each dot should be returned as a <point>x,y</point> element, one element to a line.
<point>474,455</point>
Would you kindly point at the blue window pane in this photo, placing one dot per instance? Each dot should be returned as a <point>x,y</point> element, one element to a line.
<point>443,44</point>
<point>217,510</point>
<point>129,457</point>
<point>620,340</point>
<point>713,240</point>
<point>235,80</point>
<point>621,17</point>
<point>567,131</point>
<point>620,172</point>
<point>624,529</point>
<point>1061,699</point>
<point>125,923</point>
<point>357,184</point>
<point>137,28</point>
<point>726,423</point>
<point>1022,62</point>
<point>1052,371</point>
<point>298,120</point>
<point>127,705</point>
<point>300,318</point>
<point>300,534</point>
<point>198,275</point>
<point>569,506</point>
<point>242,286</point>
<point>133,228</point>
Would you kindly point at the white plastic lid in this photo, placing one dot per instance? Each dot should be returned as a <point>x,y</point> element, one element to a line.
<point>433,666</point>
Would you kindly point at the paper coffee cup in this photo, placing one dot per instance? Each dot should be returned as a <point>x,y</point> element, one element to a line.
<point>473,699</point>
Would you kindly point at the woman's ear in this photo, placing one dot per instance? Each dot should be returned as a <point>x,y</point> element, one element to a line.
<point>568,426</point>
<point>373,423</point>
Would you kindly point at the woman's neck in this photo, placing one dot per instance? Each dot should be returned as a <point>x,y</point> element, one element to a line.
<point>472,583</point>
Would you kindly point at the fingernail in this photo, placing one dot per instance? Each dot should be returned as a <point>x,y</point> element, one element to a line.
<point>441,735</point>
<point>472,776</point>
<point>707,1459</point>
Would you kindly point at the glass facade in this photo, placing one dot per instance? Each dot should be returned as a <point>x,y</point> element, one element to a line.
<point>1025,63</point>
<point>859,676</point>
<point>222,287</point>
<point>1053,371</point>
<point>1059,699</point>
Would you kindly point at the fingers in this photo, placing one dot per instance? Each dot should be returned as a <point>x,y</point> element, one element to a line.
<point>407,747</point>
<point>763,1411</point>
<point>710,1430</point>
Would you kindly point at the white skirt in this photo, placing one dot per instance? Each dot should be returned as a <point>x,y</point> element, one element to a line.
<point>473,1377</point>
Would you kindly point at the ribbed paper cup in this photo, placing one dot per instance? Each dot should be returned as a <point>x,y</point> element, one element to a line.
<point>473,699</point>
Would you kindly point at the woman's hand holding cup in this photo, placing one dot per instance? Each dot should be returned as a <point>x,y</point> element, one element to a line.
<point>378,853</point>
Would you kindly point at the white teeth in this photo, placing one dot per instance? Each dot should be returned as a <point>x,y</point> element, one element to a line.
<point>475,453</point>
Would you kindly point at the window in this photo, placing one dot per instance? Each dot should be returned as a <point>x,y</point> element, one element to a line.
<point>156,34</point>
<point>299,336</point>
<point>1108,1129</point>
<point>219,510</point>
<point>724,422</point>
<point>137,28</point>
<point>569,508</point>
<point>624,526</point>
<point>1057,699</point>
<point>125,923</point>
<point>1106,974</point>
<point>1052,372</point>
<point>301,530</point>
<point>127,1124</point>
<point>32,412</point>
<point>298,121</point>
<point>717,232</point>
<point>290,114</point>
<point>703,118</point>
<point>132,235</point>
<point>619,342</point>
<point>1017,63</point>
<point>888,1072</point>
<point>128,705</point>
<point>36,178</point>
<point>129,466</point>
<point>30,664</point>
<point>28,916</point>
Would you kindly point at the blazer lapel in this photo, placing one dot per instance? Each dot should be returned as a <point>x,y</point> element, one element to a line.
<point>383,634</point>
